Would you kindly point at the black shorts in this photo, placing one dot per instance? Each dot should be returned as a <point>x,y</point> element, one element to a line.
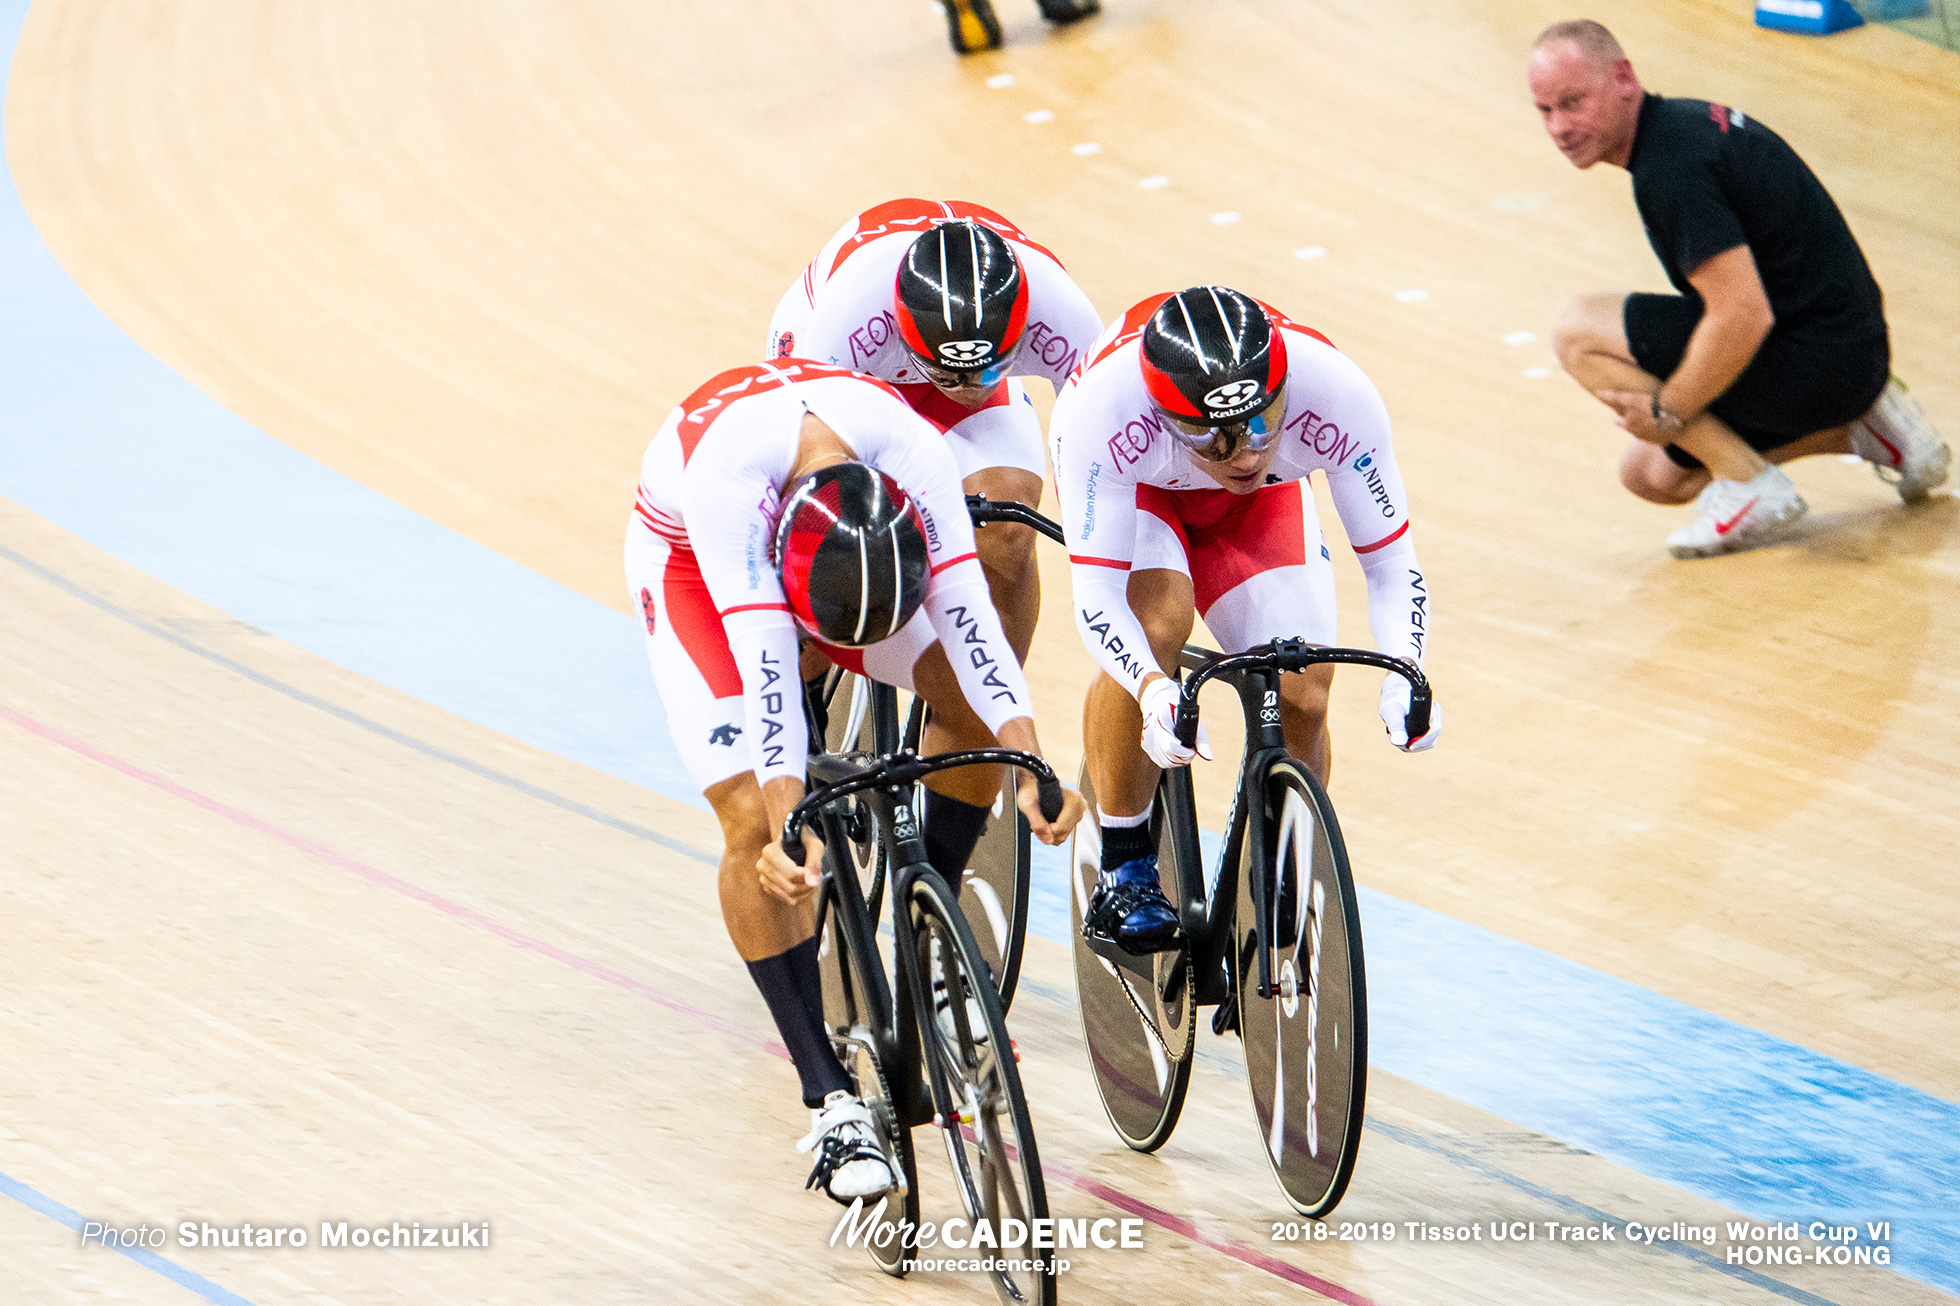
<point>1790,389</point>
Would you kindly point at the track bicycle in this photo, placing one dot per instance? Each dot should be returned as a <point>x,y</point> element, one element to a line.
<point>863,715</point>
<point>1275,945</point>
<point>931,1046</point>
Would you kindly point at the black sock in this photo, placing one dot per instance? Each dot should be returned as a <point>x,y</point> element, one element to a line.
<point>952,828</point>
<point>1126,844</point>
<point>794,991</point>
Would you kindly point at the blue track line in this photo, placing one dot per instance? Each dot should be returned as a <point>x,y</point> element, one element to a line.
<point>149,1260</point>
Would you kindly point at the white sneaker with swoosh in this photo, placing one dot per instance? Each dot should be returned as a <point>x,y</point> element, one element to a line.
<point>1739,515</point>
<point>1901,445</point>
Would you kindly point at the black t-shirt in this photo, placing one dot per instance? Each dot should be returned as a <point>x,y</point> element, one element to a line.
<point>1708,178</point>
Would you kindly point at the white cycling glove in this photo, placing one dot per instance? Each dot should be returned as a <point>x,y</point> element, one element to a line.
<point>1159,704</point>
<point>1395,715</point>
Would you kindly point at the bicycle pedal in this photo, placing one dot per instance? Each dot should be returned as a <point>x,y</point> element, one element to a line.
<point>1111,951</point>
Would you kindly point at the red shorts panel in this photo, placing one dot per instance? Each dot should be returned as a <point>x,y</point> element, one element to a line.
<point>1230,538</point>
<point>697,623</point>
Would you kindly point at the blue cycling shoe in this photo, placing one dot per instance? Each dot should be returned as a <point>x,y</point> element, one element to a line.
<point>1129,910</point>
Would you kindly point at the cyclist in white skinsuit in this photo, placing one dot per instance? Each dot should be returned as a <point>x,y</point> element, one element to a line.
<point>952,304</point>
<point>1157,531</point>
<point>723,615</point>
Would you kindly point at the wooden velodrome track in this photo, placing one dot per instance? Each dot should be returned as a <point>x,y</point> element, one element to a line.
<point>470,254</point>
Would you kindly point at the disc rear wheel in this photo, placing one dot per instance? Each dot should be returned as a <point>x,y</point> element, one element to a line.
<point>1306,1042</point>
<point>994,890</point>
<point>1139,1036</point>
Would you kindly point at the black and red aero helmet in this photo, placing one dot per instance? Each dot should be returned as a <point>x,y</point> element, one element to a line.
<point>1210,355</point>
<point>851,554</point>
<point>962,299</point>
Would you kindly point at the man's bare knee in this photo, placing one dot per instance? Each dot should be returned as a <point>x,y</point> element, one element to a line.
<point>737,804</point>
<point>1650,474</point>
<point>1589,325</point>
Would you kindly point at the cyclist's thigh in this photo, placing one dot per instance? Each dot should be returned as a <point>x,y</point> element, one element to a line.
<point>1003,435</point>
<point>1268,575</point>
<point>693,671</point>
<point>1160,583</point>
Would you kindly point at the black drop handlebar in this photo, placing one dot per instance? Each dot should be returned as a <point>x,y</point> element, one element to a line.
<point>909,768</point>
<point>984,510</point>
<point>1298,655</point>
<point>1280,655</point>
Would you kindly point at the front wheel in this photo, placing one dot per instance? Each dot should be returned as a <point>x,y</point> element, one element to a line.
<point>980,1110</point>
<point>1306,1040</point>
<point>855,1012</point>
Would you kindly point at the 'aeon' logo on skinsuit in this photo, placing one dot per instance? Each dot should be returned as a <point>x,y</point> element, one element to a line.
<point>1051,347</point>
<point>868,339</point>
<point>1130,444</point>
<point>1323,437</point>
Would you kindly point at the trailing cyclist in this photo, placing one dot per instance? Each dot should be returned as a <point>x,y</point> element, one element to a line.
<point>788,500</point>
<point>1182,449</point>
<point>953,305</point>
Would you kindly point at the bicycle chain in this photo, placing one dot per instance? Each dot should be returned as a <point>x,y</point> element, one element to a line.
<point>1150,1021</point>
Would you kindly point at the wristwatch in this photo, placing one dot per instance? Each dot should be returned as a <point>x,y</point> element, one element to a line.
<point>1667,423</point>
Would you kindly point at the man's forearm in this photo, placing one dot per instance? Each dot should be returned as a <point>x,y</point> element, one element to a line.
<point>1721,348</point>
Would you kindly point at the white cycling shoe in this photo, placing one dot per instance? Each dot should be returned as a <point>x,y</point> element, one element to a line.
<point>1904,449</point>
<point>1740,515</point>
<point>850,1163</point>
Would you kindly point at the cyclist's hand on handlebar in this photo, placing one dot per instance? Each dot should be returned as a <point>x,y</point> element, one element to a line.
<point>1395,715</point>
<point>783,878</point>
<point>1027,798</point>
<point>1159,704</point>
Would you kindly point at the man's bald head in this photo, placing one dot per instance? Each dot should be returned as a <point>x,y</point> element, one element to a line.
<point>1586,92</point>
<point>1592,38</point>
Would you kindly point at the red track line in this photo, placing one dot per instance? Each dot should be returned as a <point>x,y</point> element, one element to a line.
<point>332,858</point>
<point>1080,1182</point>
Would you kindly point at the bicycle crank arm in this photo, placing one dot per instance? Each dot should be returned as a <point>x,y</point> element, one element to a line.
<point>1143,966</point>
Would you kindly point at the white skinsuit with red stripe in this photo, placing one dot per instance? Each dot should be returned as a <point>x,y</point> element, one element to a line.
<point>1110,449</point>
<point>720,637</point>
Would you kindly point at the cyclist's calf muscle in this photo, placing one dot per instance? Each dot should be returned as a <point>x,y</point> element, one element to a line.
<point>760,924</point>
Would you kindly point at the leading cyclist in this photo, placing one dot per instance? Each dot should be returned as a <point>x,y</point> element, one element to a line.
<point>789,497</point>
<point>1182,449</point>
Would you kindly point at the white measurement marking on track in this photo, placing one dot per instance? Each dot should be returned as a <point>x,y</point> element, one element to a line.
<point>1039,116</point>
<point>1085,149</point>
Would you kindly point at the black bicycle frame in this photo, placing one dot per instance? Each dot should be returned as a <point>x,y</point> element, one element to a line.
<point>888,784</point>
<point>898,1041</point>
<point>1255,675</point>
